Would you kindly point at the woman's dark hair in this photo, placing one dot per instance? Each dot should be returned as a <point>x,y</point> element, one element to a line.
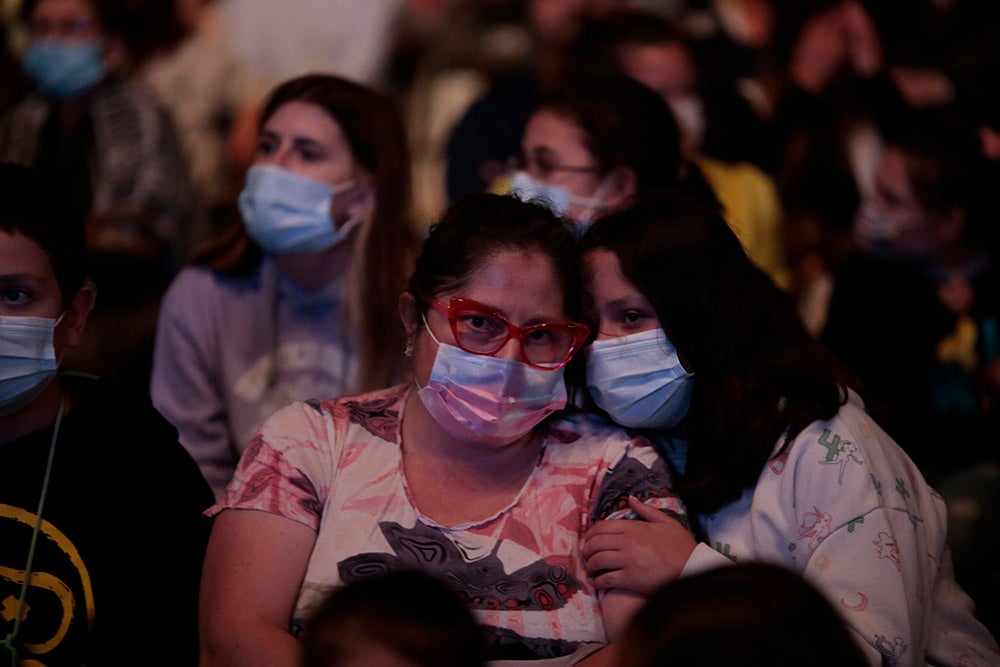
<point>373,126</point>
<point>407,612</point>
<point>480,225</point>
<point>732,616</point>
<point>626,124</point>
<point>34,208</point>
<point>758,375</point>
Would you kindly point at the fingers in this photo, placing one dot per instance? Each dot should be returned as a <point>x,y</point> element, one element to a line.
<point>647,512</point>
<point>598,543</point>
<point>609,579</point>
<point>605,561</point>
<point>608,527</point>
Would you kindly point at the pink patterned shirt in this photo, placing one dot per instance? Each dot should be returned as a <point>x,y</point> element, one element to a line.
<point>336,467</point>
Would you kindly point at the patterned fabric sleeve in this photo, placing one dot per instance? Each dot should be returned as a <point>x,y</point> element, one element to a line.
<point>287,466</point>
<point>639,471</point>
<point>871,535</point>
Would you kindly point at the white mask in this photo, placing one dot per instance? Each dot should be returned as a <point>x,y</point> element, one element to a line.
<point>489,400</point>
<point>27,360</point>
<point>639,380</point>
<point>287,213</point>
<point>557,199</point>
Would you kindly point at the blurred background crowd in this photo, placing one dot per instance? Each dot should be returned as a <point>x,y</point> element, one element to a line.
<point>853,144</point>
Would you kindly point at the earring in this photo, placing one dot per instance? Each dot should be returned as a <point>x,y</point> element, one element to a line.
<point>408,350</point>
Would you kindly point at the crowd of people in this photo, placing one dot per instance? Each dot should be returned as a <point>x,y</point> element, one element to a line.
<point>440,332</point>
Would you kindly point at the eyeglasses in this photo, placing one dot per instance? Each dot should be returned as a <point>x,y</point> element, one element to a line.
<point>481,330</point>
<point>544,166</point>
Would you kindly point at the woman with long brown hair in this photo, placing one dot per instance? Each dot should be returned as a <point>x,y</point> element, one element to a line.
<point>297,300</point>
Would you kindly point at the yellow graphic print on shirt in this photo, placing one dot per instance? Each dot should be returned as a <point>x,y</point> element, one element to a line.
<point>46,589</point>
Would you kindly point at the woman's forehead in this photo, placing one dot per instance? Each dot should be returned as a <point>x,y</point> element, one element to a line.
<point>517,281</point>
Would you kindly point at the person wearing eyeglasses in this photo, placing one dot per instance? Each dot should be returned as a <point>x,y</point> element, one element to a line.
<point>472,472</point>
<point>590,146</point>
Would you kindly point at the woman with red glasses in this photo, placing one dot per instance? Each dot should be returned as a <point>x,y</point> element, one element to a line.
<point>471,472</point>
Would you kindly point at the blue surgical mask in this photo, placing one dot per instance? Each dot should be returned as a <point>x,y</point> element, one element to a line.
<point>286,213</point>
<point>27,360</point>
<point>557,199</point>
<point>639,380</point>
<point>64,68</point>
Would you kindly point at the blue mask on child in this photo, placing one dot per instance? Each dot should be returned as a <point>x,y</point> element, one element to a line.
<point>64,68</point>
<point>639,380</point>
<point>286,213</point>
<point>27,360</point>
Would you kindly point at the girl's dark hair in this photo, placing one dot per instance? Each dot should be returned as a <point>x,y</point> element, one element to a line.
<point>480,225</point>
<point>626,124</point>
<point>759,376</point>
<point>384,245</point>
<point>36,209</point>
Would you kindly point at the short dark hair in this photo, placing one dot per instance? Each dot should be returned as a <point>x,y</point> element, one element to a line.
<point>480,225</point>
<point>408,612</point>
<point>35,208</point>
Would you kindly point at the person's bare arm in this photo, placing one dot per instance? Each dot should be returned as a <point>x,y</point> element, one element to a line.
<point>253,570</point>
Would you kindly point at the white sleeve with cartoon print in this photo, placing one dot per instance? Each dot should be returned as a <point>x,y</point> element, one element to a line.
<point>869,532</point>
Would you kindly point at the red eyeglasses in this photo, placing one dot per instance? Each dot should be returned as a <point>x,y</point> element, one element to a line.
<point>481,330</point>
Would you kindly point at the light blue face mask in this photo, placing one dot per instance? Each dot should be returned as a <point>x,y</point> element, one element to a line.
<point>639,380</point>
<point>527,188</point>
<point>64,68</point>
<point>286,213</point>
<point>557,199</point>
<point>27,360</point>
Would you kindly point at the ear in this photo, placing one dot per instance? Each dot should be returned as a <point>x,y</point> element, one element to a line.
<point>75,318</point>
<point>621,183</point>
<point>409,313</point>
<point>363,203</point>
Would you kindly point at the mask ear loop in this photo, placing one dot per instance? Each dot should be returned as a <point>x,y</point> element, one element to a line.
<point>8,641</point>
<point>591,205</point>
